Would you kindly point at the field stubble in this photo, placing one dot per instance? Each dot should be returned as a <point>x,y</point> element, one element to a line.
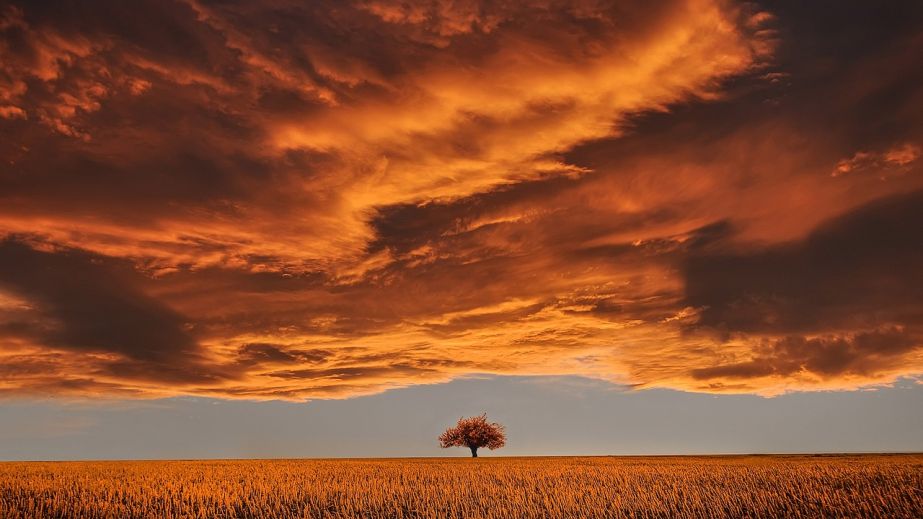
<point>644,487</point>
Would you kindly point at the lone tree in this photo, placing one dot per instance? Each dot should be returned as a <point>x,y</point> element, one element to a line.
<point>474,433</point>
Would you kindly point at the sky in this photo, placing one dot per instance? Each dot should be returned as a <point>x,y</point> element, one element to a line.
<point>298,209</point>
<point>544,416</point>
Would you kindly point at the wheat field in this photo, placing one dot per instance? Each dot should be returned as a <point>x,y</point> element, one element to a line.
<point>641,487</point>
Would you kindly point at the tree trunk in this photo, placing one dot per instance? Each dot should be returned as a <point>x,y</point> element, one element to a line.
<point>474,452</point>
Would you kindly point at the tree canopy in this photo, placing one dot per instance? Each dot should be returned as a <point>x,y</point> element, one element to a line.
<point>474,432</point>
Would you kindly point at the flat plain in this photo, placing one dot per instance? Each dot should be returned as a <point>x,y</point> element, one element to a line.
<point>639,487</point>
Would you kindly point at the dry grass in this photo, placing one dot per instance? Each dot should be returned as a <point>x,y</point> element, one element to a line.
<point>707,487</point>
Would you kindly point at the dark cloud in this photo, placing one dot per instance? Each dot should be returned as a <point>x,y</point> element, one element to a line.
<point>93,303</point>
<point>404,227</point>
<point>92,306</point>
<point>858,270</point>
<point>255,353</point>
<point>863,354</point>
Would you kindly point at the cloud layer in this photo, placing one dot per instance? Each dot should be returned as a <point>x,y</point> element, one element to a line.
<point>289,200</point>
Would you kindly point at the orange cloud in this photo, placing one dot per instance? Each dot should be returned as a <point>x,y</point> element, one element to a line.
<point>327,200</point>
<point>895,159</point>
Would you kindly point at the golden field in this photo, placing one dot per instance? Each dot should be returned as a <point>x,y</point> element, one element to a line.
<point>644,487</point>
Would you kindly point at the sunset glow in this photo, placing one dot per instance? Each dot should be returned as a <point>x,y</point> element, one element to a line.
<point>303,200</point>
